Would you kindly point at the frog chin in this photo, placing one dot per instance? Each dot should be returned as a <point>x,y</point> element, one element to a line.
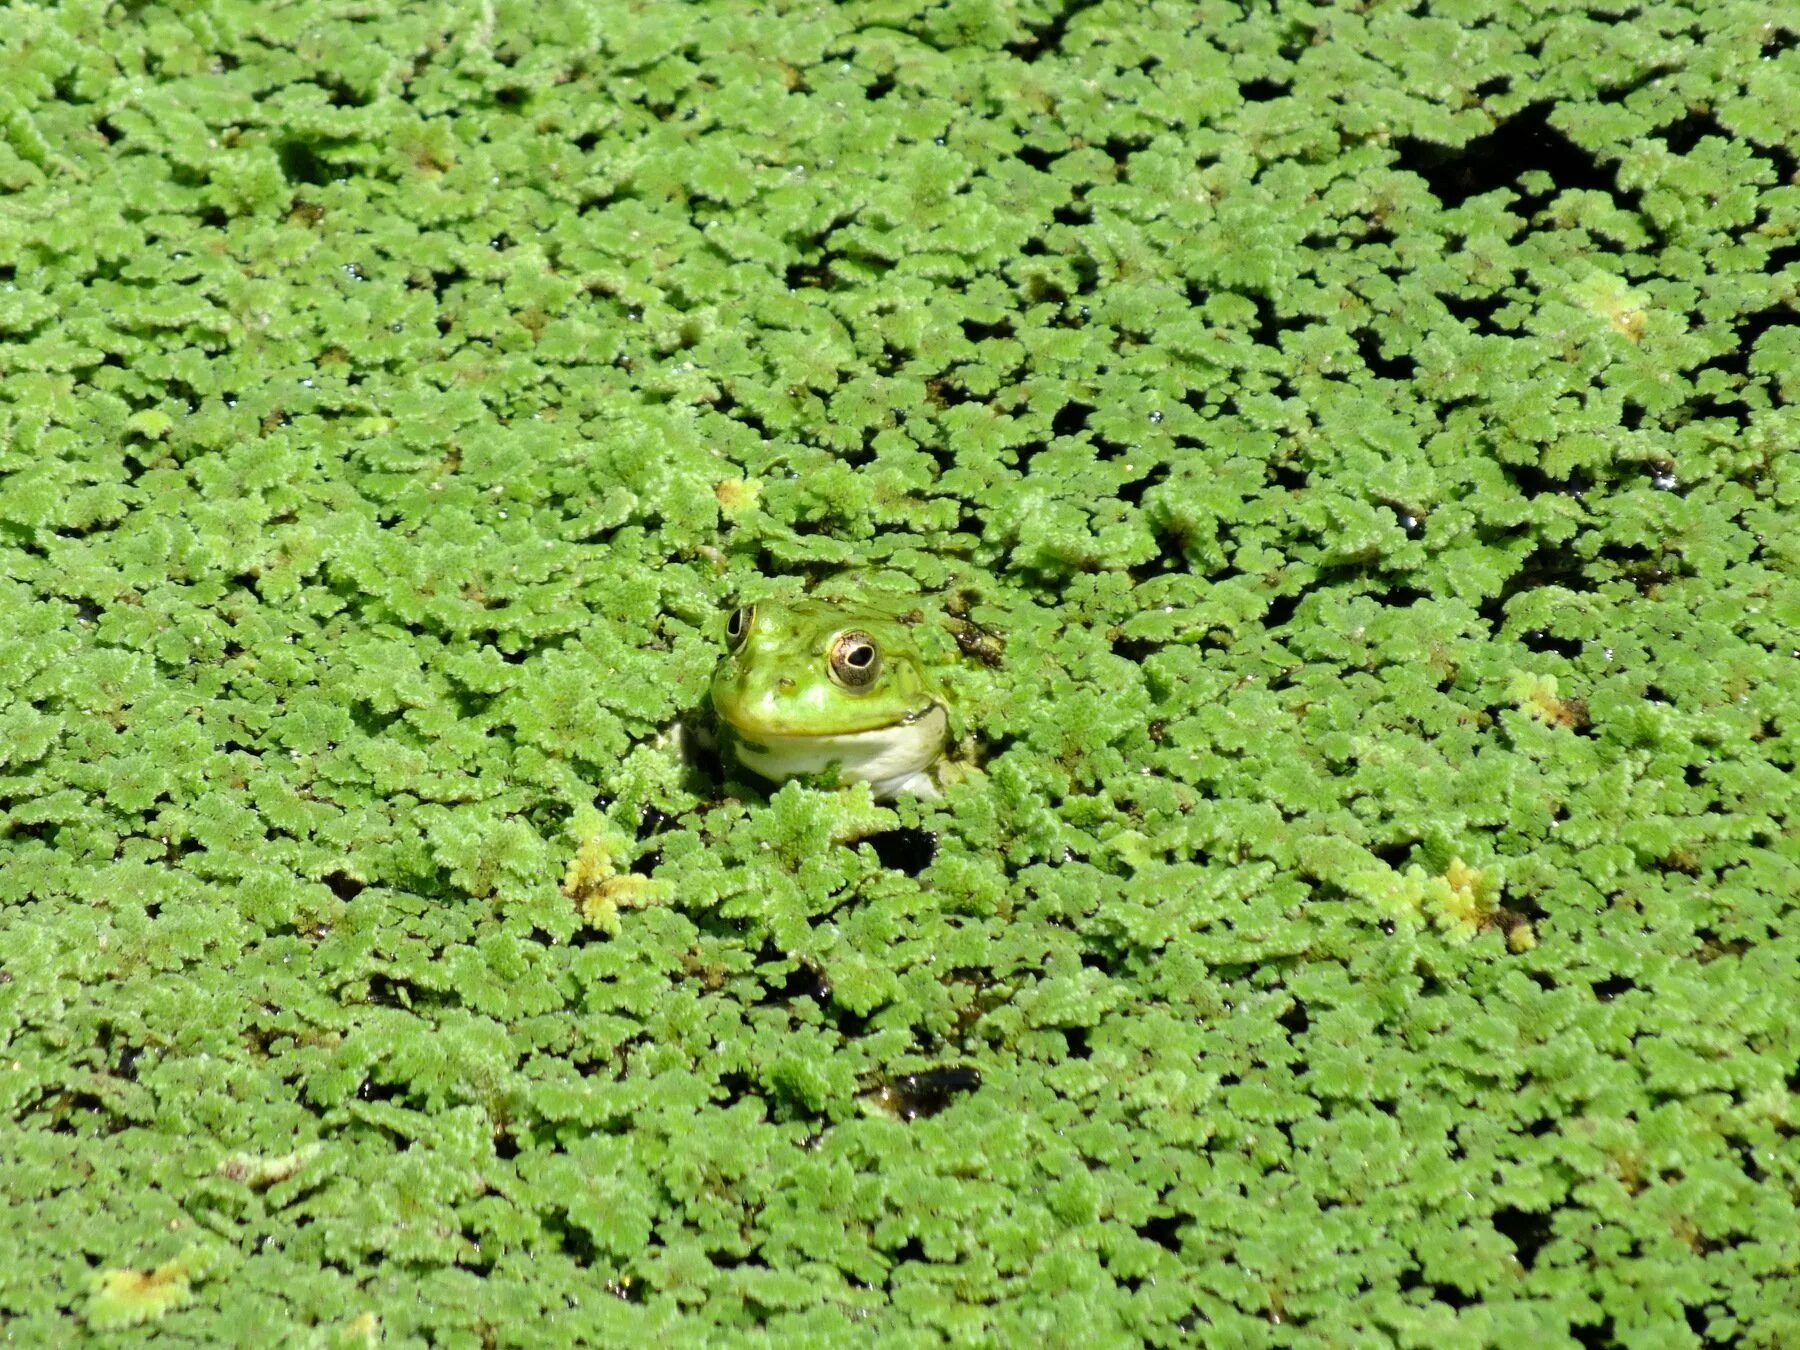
<point>889,759</point>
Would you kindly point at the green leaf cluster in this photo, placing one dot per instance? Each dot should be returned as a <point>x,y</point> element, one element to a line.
<point>1350,445</point>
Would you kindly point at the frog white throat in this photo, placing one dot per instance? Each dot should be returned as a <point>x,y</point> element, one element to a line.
<point>891,759</point>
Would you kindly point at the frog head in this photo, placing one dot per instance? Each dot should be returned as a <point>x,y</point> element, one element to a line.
<point>812,687</point>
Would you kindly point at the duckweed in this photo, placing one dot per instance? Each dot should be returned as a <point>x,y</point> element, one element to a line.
<point>1356,443</point>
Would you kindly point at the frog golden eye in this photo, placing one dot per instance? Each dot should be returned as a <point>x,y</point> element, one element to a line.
<point>737,627</point>
<point>855,660</point>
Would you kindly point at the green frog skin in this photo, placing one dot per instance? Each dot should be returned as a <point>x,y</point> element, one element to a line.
<point>828,688</point>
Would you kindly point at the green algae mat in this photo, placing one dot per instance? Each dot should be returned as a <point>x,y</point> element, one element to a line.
<point>1348,451</point>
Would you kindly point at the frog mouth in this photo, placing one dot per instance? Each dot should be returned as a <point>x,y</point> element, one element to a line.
<point>881,755</point>
<point>749,731</point>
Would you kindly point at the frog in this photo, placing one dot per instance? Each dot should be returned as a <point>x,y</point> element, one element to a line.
<point>837,691</point>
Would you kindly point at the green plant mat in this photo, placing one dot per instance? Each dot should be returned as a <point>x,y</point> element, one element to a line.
<point>1359,440</point>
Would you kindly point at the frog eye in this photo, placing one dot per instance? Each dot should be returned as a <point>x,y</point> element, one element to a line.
<point>855,660</point>
<point>737,627</point>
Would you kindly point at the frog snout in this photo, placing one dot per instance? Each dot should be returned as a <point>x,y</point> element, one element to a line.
<point>766,684</point>
<point>762,687</point>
